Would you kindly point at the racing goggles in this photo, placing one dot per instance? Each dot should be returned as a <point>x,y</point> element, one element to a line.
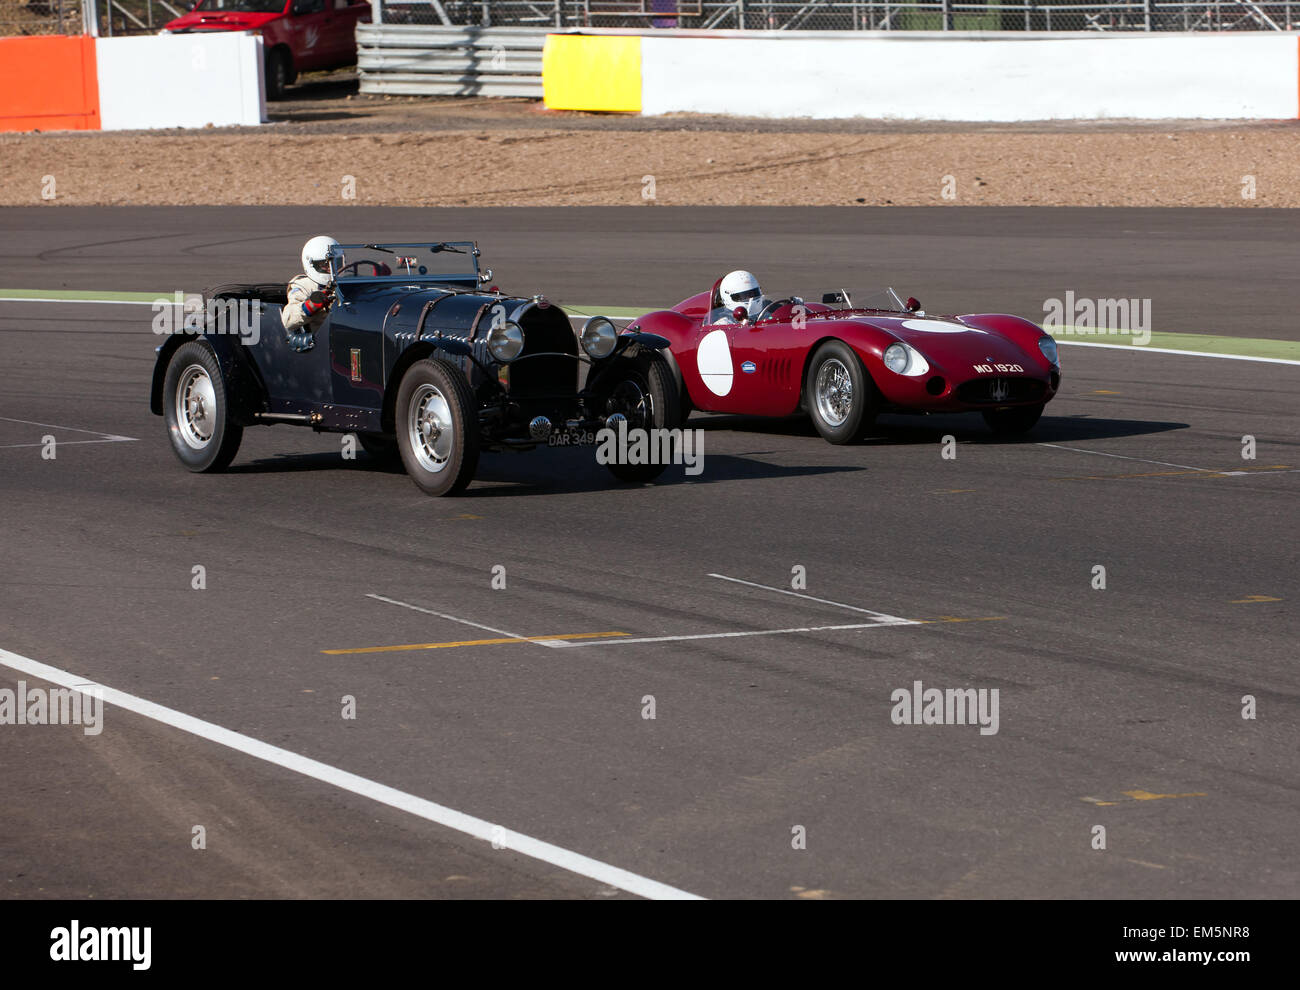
<point>747,295</point>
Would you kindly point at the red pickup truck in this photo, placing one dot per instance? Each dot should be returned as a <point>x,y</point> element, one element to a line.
<point>297,35</point>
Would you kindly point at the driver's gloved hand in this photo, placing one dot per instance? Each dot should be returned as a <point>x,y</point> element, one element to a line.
<point>302,341</point>
<point>315,303</point>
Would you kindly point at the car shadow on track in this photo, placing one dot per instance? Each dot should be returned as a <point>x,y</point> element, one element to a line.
<point>895,429</point>
<point>555,472</point>
<point>574,471</point>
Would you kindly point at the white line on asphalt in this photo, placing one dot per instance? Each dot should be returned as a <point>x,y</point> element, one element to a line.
<point>97,302</point>
<point>1170,350</point>
<point>825,601</point>
<point>551,643</point>
<point>67,443</point>
<point>574,644</point>
<point>1126,457</point>
<point>108,437</point>
<point>476,827</point>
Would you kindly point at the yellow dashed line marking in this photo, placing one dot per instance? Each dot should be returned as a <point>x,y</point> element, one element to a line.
<point>1101,391</point>
<point>1141,795</point>
<point>1143,862</point>
<point>471,642</point>
<point>1250,599</point>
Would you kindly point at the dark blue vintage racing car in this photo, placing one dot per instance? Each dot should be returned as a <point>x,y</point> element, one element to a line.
<point>416,357</point>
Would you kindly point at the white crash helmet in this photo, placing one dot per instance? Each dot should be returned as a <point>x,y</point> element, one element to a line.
<point>741,289</point>
<point>315,258</point>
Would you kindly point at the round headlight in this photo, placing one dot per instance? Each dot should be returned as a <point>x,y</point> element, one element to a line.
<point>598,337</point>
<point>904,360</point>
<point>506,341</point>
<point>1048,346</point>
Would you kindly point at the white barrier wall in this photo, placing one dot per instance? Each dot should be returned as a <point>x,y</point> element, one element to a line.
<point>180,80</point>
<point>972,78</point>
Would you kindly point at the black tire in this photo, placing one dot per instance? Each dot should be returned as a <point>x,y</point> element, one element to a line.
<point>435,393</point>
<point>840,418</point>
<point>279,73</point>
<point>1012,422</point>
<point>645,391</point>
<point>196,407</point>
<point>381,447</point>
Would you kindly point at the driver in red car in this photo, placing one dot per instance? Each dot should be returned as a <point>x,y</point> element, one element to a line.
<point>737,290</point>
<point>310,294</point>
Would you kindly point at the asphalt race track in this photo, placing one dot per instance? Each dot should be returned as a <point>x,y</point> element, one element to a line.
<point>1119,707</point>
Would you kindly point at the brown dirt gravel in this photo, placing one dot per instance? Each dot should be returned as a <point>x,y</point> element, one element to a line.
<point>331,146</point>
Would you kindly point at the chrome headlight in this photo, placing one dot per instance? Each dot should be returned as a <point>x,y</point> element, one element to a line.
<point>506,342</point>
<point>904,360</point>
<point>598,337</point>
<point>1050,351</point>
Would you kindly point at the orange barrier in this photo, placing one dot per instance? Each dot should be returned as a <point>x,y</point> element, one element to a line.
<point>48,83</point>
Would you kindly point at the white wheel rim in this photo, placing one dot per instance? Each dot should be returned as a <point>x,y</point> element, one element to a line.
<point>196,407</point>
<point>834,392</point>
<point>429,428</point>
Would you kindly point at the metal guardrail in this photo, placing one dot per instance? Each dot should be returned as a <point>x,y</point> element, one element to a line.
<point>423,60</point>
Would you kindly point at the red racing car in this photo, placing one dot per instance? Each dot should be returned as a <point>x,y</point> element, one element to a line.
<point>850,357</point>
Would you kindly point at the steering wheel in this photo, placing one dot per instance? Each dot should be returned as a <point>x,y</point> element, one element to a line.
<point>773,306</point>
<point>379,267</point>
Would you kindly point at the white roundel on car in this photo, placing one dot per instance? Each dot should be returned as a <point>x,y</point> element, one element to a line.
<point>940,326</point>
<point>714,361</point>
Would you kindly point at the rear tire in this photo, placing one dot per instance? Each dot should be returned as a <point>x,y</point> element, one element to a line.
<point>839,394</point>
<point>437,427</point>
<point>196,407</point>
<point>643,390</point>
<point>1012,422</point>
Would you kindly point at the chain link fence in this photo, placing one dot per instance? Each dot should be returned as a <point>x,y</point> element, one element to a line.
<point>114,17</point>
<point>117,17</point>
<point>850,15</point>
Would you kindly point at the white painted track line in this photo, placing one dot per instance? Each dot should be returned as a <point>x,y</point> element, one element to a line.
<point>1127,457</point>
<point>548,643</point>
<point>574,644</point>
<point>108,437</point>
<point>892,619</point>
<point>96,302</point>
<point>458,821</point>
<point>1171,350</point>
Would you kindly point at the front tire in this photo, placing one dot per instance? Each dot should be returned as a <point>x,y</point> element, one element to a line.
<point>437,427</point>
<point>644,391</point>
<point>839,394</point>
<point>196,407</point>
<point>1012,422</point>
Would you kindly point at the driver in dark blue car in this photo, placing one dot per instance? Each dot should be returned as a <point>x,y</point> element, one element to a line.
<point>310,294</point>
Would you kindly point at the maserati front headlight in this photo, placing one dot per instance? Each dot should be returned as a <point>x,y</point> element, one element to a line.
<point>903,359</point>
<point>1050,351</point>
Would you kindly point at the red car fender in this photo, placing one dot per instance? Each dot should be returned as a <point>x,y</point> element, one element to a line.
<point>1021,332</point>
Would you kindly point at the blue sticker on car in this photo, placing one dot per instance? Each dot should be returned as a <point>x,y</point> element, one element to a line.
<point>749,367</point>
